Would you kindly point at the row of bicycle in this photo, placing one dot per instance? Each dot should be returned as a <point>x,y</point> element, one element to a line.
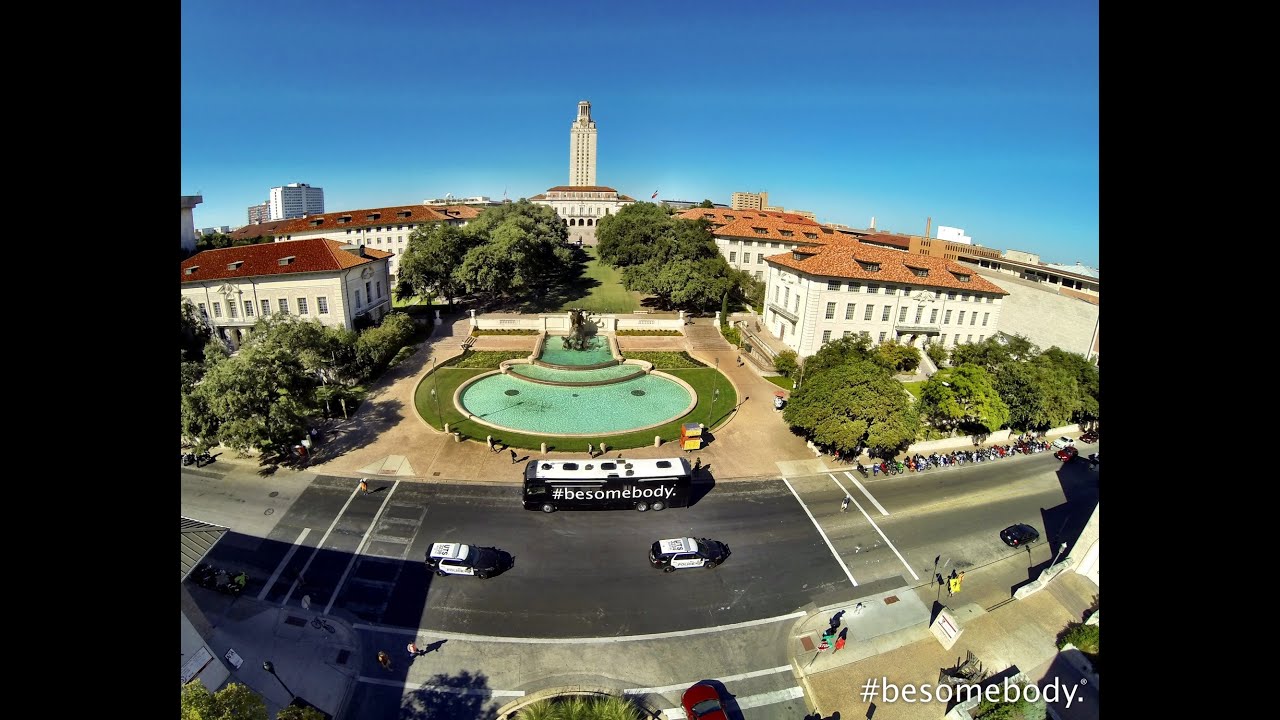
<point>918,462</point>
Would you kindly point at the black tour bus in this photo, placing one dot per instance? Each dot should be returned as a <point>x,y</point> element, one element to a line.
<point>606,484</point>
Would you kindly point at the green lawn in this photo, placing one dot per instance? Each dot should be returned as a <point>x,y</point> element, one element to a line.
<point>608,296</point>
<point>781,381</point>
<point>447,379</point>
<point>914,388</point>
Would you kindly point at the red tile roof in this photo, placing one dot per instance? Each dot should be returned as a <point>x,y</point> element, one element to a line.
<point>722,216</point>
<point>581,188</point>
<point>840,259</point>
<point>253,230</point>
<point>309,255</point>
<point>891,239</point>
<point>774,229</point>
<point>372,217</point>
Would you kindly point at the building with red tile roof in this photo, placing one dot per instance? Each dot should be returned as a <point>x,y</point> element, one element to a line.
<point>582,207</point>
<point>819,291</point>
<point>385,228</point>
<point>336,283</point>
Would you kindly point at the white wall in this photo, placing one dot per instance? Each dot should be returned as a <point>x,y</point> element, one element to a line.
<point>194,652</point>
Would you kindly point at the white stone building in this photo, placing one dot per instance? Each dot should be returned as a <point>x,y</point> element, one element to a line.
<point>313,278</point>
<point>582,208</point>
<point>380,228</point>
<point>823,291</point>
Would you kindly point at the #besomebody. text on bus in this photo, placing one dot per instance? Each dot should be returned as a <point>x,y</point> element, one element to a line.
<point>605,484</point>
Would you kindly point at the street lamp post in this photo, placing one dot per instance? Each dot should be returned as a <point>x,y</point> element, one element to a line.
<point>266,665</point>
<point>1061,548</point>
<point>715,392</point>
<point>434,382</point>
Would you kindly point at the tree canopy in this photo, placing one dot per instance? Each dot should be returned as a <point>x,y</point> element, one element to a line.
<point>433,253</point>
<point>233,702</point>
<point>852,406</point>
<point>964,397</point>
<point>1039,394</point>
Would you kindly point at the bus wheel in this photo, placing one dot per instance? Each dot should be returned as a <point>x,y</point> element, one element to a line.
<point>548,507</point>
<point>642,506</point>
<point>657,505</point>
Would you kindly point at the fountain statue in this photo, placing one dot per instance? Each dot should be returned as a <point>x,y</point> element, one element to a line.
<point>578,337</point>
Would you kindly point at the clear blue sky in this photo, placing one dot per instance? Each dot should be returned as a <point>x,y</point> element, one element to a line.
<point>982,116</point>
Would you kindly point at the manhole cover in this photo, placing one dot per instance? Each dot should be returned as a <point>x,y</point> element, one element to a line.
<point>637,393</point>
<point>511,392</point>
<point>291,620</point>
<point>273,493</point>
<point>435,474</point>
<point>891,600</point>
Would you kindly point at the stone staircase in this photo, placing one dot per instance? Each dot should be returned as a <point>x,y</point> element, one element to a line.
<point>705,336</point>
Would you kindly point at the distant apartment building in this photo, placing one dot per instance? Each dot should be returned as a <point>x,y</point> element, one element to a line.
<point>295,200</point>
<point>259,213</point>
<point>819,292</point>
<point>333,282</point>
<point>219,229</point>
<point>476,201</point>
<point>382,228</point>
<point>748,201</point>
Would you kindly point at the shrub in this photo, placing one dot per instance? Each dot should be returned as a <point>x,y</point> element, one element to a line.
<point>1082,636</point>
<point>476,332</point>
<point>785,363</point>
<point>732,335</point>
<point>936,353</point>
<point>667,359</point>
<point>483,358</point>
<point>668,333</point>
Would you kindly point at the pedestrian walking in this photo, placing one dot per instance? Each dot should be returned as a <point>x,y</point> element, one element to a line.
<point>364,486</point>
<point>384,659</point>
<point>603,448</point>
<point>489,441</point>
<point>828,635</point>
<point>839,645</point>
<point>959,579</point>
<point>739,361</point>
<point>697,465</point>
<point>844,504</point>
<point>591,452</point>
<point>413,650</point>
<point>513,456</point>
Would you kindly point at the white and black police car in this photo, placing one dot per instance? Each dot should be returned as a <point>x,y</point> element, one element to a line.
<point>670,555</point>
<point>457,559</point>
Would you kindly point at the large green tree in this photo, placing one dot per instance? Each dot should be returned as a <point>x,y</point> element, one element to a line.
<point>896,356</point>
<point>841,351</point>
<point>431,257</point>
<point>194,332</point>
<point>630,236</point>
<point>1039,394</point>
<point>965,398</point>
<point>852,406</point>
<point>1086,374</point>
<point>521,252</point>
<point>232,702</point>
<point>994,352</point>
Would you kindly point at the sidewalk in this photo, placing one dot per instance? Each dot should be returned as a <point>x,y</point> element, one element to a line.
<point>314,664</point>
<point>892,643</point>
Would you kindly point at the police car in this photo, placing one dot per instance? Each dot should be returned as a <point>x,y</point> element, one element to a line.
<point>687,553</point>
<point>457,559</point>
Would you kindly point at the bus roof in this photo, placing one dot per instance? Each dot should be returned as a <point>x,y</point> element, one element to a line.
<point>605,468</point>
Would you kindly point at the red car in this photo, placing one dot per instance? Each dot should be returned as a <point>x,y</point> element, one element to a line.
<point>703,701</point>
<point>1067,453</point>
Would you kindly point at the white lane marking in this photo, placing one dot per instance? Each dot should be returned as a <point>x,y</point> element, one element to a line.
<point>867,493</point>
<point>727,678</point>
<point>279,568</point>
<point>746,703</point>
<point>825,539</point>
<point>315,550</point>
<point>442,688</point>
<point>887,541</point>
<point>364,541</point>
<point>412,632</point>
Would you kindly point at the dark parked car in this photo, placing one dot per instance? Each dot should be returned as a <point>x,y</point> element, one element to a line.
<point>703,701</point>
<point>1019,535</point>
<point>1067,453</point>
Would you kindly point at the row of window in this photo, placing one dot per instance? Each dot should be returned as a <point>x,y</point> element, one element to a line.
<point>902,314</point>
<point>955,340</point>
<point>746,257</point>
<point>872,289</point>
<point>282,305</point>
